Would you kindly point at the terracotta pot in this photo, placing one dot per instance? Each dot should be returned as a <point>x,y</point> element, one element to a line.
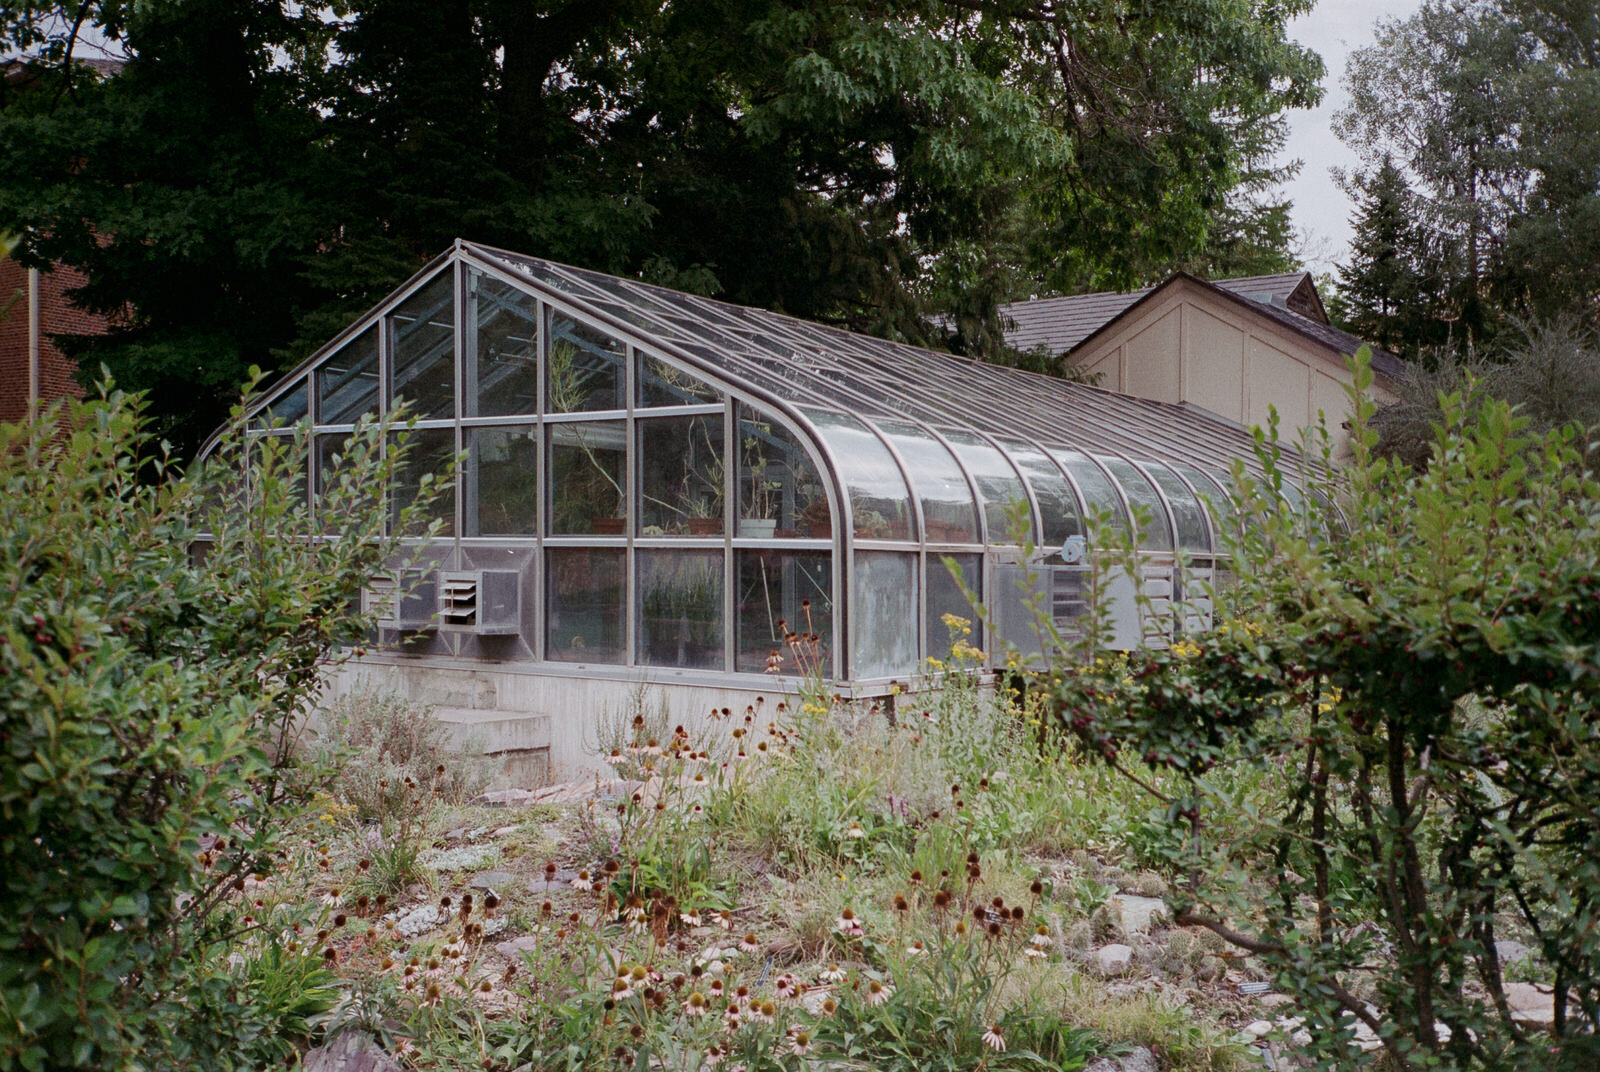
<point>820,530</point>
<point>705,526</point>
<point>609,526</point>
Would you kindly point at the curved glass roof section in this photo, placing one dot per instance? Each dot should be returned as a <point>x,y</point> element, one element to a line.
<point>926,447</point>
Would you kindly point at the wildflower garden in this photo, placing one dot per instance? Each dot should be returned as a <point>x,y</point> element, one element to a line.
<point>1354,826</point>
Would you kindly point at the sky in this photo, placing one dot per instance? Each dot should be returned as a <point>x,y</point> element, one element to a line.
<point>1321,213</point>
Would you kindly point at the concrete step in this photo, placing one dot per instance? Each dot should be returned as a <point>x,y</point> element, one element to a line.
<point>521,741</point>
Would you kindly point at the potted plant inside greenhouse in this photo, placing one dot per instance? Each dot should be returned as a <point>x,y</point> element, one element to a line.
<point>681,611</point>
<point>763,495</point>
<point>818,518</point>
<point>587,471</point>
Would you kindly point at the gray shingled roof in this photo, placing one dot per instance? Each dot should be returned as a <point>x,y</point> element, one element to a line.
<point>1062,324</point>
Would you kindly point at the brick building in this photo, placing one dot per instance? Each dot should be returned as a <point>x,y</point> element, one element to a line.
<point>56,315</point>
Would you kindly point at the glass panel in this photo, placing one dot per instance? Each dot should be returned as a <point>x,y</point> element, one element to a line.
<point>347,381</point>
<point>586,371</point>
<point>780,493</point>
<point>783,591</point>
<point>588,593</point>
<point>292,407</point>
<point>1186,511</point>
<point>1157,533</point>
<point>680,609</point>
<point>997,482</point>
<point>878,496</point>
<point>947,505</point>
<point>503,471</point>
<point>661,384</point>
<point>588,467</point>
<point>1057,502</point>
<point>882,613</point>
<point>428,450</point>
<point>424,349</point>
<point>330,450</point>
<point>681,476</point>
<point>944,597</point>
<point>1100,495</point>
<point>1213,487</point>
<point>1214,496</point>
<point>506,347</point>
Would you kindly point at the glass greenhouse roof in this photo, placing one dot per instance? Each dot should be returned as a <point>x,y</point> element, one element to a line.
<point>626,442</point>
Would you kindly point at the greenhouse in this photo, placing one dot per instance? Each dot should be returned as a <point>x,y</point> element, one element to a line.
<point>659,487</point>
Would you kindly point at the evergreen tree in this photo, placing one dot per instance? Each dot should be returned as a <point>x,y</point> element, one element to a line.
<point>1388,289</point>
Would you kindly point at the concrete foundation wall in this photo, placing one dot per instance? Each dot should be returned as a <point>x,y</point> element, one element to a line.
<point>553,728</point>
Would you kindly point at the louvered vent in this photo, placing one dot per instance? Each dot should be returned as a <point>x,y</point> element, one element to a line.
<point>485,602</point>
<point>404,600</point>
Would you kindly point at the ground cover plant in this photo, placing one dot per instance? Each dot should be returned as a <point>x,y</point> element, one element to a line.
<point>1426,666</point>
<point>806,883</point>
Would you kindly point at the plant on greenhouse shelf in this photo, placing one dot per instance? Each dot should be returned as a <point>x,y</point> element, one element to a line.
<point>872,525</point>
<point>683,609</point>
<point>763,501</point>
<point>818,517</point>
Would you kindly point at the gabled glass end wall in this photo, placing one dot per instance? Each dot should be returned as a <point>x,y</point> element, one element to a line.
<point>655,480</point>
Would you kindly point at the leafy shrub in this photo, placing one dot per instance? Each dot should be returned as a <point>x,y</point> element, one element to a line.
<point>1425,685</point>
<point>159,641</point>
<point>393,758</point>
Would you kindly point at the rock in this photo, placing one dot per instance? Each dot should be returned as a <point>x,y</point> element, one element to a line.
<point>1139,1059</point>
<point>462,858</point>
<point>1512,953</point>
<point>1366,1039</point>
<point>505,831</point>
<point>1114,959</point>
<point>455,835</point>
<point>514,949</point>
<point>1532,1005</point>
<point>1137,914</point>
<point>351,1051</point>
<point>492,880</point>
<point>417,921</point>
<point>561,880</point>
<point>506,798</point>
<point>1258,1028</point>
<point>1273,1001</point>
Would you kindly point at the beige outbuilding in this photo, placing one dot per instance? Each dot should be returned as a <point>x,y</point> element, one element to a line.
<point>1236,348</point>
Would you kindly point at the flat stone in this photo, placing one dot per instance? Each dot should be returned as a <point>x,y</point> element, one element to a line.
<point>562,880</point>
<point>1531,1005</point>
<point>492,880</point>
<point>504,831</point>
<point>514,949</point>
<point>1258,1028</point>
<point>417,921</point>
<point>351,1051</point>
<point>461,858</point>
<point>1273,1001</point>
<point>1366,1039</point>
<point>1511,953</point>
<point>1136,915</point>
<point>1114,959</point>
<point>506,798</point>
<point>1139,1059</point>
